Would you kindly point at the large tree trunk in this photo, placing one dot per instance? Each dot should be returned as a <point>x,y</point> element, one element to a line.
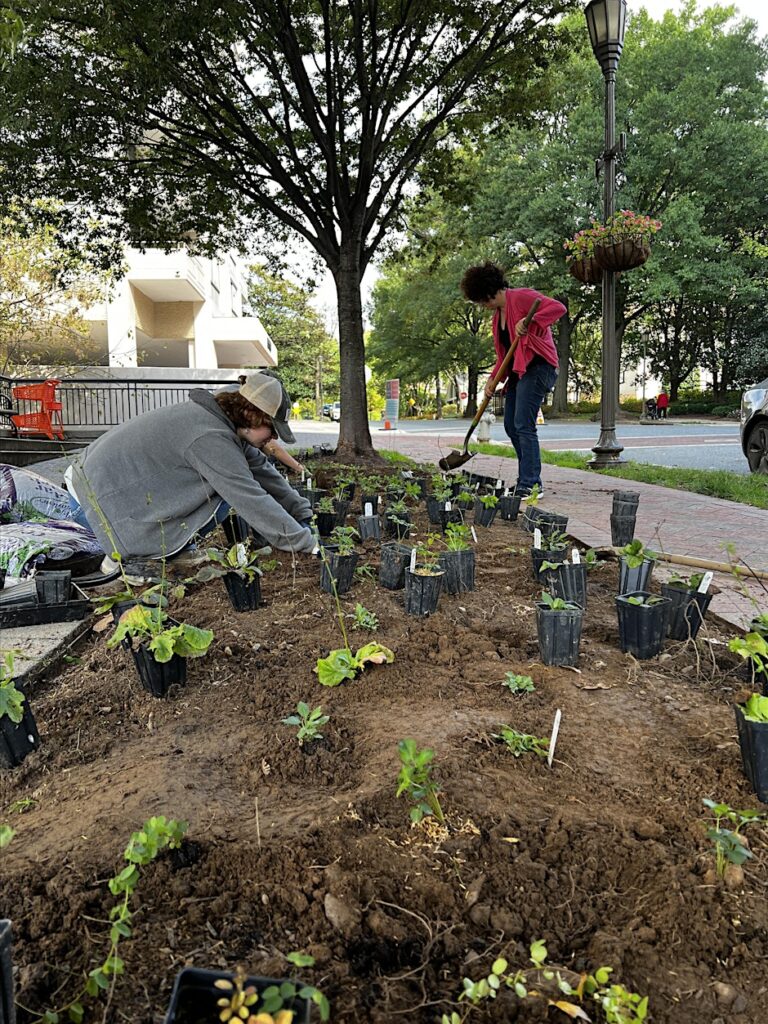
<point>354,433</point>
<point>560,394</point>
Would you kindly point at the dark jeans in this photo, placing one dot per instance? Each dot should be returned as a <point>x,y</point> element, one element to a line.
<point>78,516</point>
<point>521,407</point>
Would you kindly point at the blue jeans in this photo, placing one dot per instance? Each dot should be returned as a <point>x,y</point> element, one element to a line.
<point>521,407</point>
<point>78,516</point>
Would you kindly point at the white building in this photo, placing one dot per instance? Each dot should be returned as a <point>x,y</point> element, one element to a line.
<point>173,310</point>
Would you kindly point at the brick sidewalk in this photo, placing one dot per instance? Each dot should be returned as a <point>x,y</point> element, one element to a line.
<point>678,522</point>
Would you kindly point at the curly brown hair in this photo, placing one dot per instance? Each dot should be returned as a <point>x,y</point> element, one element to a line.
<point>242,412</point>
<point>482,282</point>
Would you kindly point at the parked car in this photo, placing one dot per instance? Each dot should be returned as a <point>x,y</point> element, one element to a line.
<point>326,409</point>
<point>754,426</point>
<point>334,411</point>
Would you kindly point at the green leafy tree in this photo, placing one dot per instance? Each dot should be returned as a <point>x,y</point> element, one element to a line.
<point>260,120</point>
<point>45,283</point>
<point>309,356</point>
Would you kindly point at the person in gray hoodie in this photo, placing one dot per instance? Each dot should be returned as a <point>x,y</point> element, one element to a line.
<point>149,486</point>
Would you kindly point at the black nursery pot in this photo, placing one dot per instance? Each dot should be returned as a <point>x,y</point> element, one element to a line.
<point>7,1006</point>
<point>326,523</point>
<point>559,633</point>
<point>753,743</point>
<point>2,578</point>
<point>340,568</point>
<point>484,516</point>
<point>348,490</point>
<point>539,556</point>
<point>686,611</point>
<point>236,529</point>
<point>18,739</point>
<point>625,502</point>
<point>194,997</point>
<point>569,582</point>
<point>530,518</point>
<point>551,522</point>
<point>632,580</point>
<point>244,596</point>
<point>53,587</point>
<point>434,508</point>
<point>156,677</point>
<point>450,515</point>
<point>369,499</point>
<point>642,628</point>
<point>394,561</point>
<point>393,528</point>
<point>459,568</point>
<point>622,530</point>
<point>509,507</point>
<point>342,511</point>
<point>369,527</point>
<point>422,592</point>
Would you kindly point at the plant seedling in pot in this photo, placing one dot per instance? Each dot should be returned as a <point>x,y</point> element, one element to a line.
<point>488,500</point>
<point>635,553</point>
<point>557,604</point>
<point>18,729</point>
<point>517,683</point>
<point>457,537</point>
<point>240,559</point>
<point>325,506</point>
<point>344,539</point>
<point>150,626</point>
<point>644,600</point>
<point>308,721</point>
<point>521,742</point>
<point>427,557</point>
<point>415,780</point>
<point>753,648</point>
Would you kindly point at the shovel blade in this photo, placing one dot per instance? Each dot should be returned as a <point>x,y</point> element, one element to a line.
<point>454,460</point>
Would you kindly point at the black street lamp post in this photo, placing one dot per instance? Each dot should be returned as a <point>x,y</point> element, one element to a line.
<point>606,20</point>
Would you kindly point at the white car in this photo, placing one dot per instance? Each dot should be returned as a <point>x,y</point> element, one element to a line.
<point>335,411</point>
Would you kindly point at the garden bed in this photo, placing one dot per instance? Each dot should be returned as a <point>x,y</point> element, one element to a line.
<point>289,848</point>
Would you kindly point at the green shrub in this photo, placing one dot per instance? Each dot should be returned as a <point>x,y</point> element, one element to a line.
<point>632,404</point>
<point>307,410</point>
<point>583,407</point>
<point>724,410</point>
<point>450,409</point>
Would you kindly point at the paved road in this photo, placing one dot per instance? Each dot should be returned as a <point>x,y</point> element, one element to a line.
<point>677,443</point>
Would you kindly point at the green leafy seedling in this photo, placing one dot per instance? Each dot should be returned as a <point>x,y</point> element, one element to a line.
<point>521,742</point>
<point>415,780</point>
<point>518,684</point>
<point>365,619</point>
<point>308,721</point>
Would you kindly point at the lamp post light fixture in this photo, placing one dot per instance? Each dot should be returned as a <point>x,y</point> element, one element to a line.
<point>606,20</point>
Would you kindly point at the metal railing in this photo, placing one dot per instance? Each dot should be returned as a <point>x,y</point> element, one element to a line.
<point>97,403</point>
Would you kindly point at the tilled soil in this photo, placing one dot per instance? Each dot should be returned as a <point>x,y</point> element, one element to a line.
<point>604,856</point>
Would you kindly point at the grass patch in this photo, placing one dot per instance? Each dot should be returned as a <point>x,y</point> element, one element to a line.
<point>397,458</point>
<point>716,483</point>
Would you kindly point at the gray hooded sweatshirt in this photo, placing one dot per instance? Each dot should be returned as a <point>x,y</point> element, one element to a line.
<point>148,485</point>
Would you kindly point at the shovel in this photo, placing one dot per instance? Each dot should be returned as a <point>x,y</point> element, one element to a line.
<point>456,459</point>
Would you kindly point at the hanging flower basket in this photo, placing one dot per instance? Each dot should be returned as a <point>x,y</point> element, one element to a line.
<point>587,270</point>
<point>620,254</point>
<point>622,243</point>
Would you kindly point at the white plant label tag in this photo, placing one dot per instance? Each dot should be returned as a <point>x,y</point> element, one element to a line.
<point>309,483</point>
<point>447,506</point>
<point>303,475</point>
<point>474,535</point>
<point>413,559</point>
<point>368,508</point>
<point>553,737</point>
<point>499,482</point>
<point>537,538</point>
<point>576,556</point>
<point>706,580</point>
<point>506,492</point>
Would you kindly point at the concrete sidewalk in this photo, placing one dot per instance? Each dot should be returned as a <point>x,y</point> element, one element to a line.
<point>678,522</point>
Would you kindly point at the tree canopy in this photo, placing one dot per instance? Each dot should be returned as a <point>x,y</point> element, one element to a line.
<point>258,119</point>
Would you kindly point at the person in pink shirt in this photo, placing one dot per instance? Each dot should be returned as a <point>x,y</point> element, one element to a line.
<point>534,366</point>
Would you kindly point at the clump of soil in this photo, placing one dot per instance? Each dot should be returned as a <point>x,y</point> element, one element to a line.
<point>290,848</point>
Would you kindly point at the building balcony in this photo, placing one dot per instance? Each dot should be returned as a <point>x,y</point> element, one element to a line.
<point>242,341</point>
<point>169,277</point>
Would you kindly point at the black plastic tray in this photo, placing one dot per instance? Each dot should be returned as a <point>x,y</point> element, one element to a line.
<point>41,614</point>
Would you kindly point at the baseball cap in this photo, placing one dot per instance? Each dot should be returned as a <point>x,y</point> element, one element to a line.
<point>269,395</point>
